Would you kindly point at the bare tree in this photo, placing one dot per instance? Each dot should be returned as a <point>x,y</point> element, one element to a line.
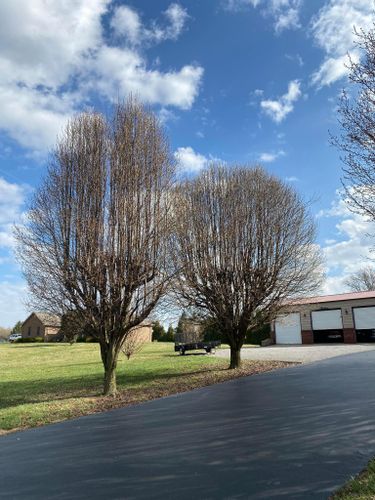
<point>244,243</point>
<point>72,327</point>
<point>95,240</point>
<point>133,343</point>
<point>362,280</point>
<point>357,120</point>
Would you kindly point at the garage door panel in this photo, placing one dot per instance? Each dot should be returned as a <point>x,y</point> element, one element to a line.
<point>364,318</point>
<point>327,320</point>
<point>288,329</point>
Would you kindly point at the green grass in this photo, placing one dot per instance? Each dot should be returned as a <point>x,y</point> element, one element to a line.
<point>41,378</point>
<point>43,383</point>
<point>361,487</point>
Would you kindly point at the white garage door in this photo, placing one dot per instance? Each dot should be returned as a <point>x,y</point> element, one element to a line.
<point>288,329</point>
<point>364,318</point>
<point>327,320</point>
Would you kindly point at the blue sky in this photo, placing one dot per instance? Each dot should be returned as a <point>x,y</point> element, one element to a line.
<point>247,81</point>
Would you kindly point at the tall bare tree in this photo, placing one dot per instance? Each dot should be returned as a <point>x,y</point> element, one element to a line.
<point>243,243</point>
<point>357,120</point>
<point>95,239</point>
<point>362,280</point>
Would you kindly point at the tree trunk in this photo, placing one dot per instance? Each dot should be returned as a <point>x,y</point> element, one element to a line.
<point>235,357</point>
<point>109,358</point>
<point>110,387</point>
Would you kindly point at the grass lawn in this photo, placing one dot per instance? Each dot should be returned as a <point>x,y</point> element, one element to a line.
<point>44,383</point>
<point>361,487</point>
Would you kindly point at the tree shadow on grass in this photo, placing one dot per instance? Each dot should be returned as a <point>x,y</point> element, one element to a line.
<point>15,393</point>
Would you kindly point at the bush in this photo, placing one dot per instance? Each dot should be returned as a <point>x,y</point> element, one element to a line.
<point>30,340</point>
<point>90,340</point>
<point>211,333</point>
<point>85,339</point>
<point>256,336</point>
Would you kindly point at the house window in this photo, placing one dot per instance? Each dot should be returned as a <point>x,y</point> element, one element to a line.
<point>29,331</point>
<point>38,331</point>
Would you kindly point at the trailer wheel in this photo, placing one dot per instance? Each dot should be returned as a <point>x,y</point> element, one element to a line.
<point>208,350</point>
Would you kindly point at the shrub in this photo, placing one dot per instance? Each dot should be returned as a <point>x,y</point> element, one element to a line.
<point>132,344</point>
<point>256,336</point>
<point>30,340</point>
<point>211,332</point>
<point>90,340</point>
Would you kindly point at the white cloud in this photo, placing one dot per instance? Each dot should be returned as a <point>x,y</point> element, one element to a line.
<point>12,197</point>
<point>331,70</point>
<point>54,58</point>
<point>31,117</point>
<point>42,43</point>
<point>235,5</point>
<point>189,160</point>
<point>296,58</point>
<point>40,51</point>
<point>127,23</point>
<point>167,115</point>
<point>292,178</point>
<point>350,248</point>
<point>129,74</point>
<point>278,109</point>
<point>284,13</point>
<point>12,308</point>
<point>177,16</point>
<point>270,157</point>
<point>332,29</point>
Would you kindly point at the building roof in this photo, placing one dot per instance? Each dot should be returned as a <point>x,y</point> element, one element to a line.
<point>46,318</point>
<point>334,298</point>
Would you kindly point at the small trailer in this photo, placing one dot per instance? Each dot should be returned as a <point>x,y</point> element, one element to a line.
<point>208,346</point>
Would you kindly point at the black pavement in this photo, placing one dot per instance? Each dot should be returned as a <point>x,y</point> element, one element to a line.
<point>297,433</point>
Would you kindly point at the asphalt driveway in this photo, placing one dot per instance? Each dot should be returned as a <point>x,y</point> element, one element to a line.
<point>297,433</point>
<point>301,353</point>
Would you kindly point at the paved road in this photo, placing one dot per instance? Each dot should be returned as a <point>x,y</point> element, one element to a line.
<point>297,433</point>
<point>302,353</point>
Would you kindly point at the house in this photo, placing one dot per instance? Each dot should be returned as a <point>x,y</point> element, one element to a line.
<point>47,326</point>
<point>144,330</point>
<point>346,317</point>
<point>41,324</point>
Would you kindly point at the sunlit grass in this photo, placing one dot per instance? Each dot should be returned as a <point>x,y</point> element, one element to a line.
<point>44,383</point>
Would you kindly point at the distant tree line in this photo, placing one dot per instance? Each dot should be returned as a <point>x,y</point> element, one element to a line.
<point>159,333</point>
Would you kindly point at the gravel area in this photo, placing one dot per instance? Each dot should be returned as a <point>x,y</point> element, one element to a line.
<point>298,353</point>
